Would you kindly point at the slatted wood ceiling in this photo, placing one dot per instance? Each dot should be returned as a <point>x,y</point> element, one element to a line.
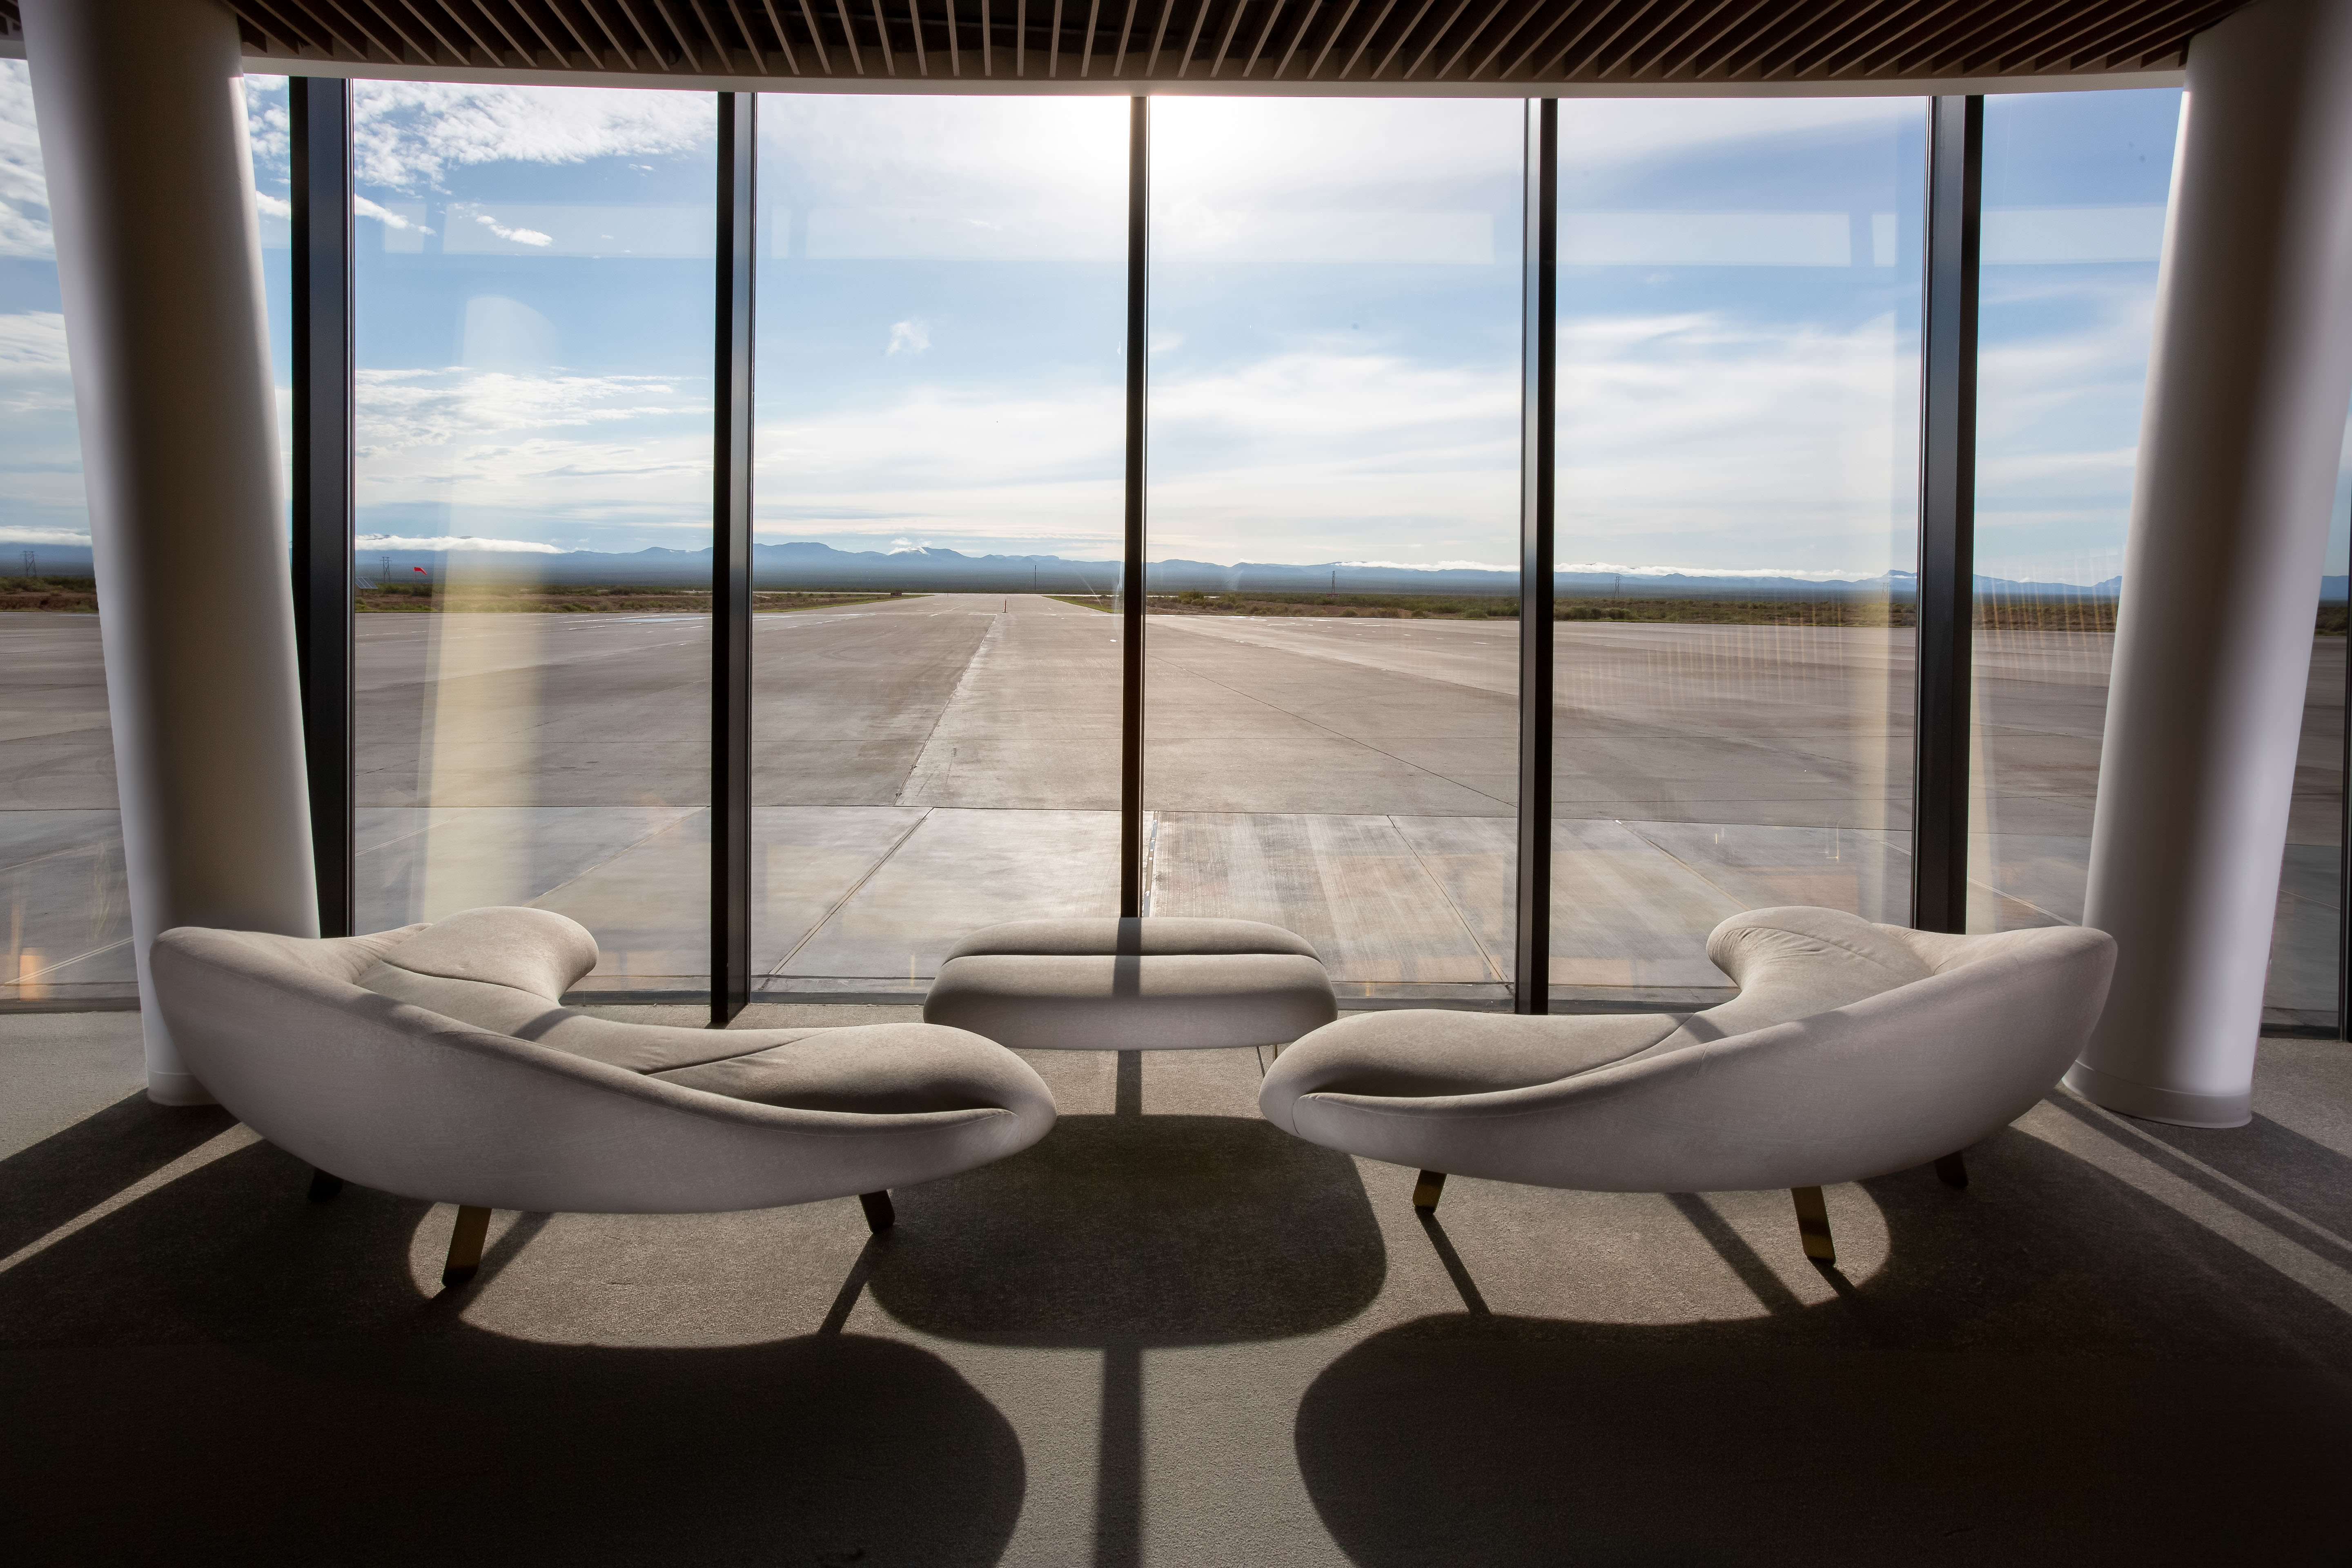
<point>1394,42</point>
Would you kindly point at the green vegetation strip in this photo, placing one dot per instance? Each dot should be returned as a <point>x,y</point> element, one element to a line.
<point>422,598</point>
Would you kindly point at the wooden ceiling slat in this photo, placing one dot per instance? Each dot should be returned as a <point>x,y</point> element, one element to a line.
<point>1692,61</point>
<point>1436,36</point>
<point>1200,19</point>
<point>816,39</point>
<point>1337,29</point>
<point>589,52</point>
<point>1654,12</point>
<point>2058,41</point>
<point>1667,16</point>
<point>1348,71</point>
<point>783,38</point>
<point>742,30</point>
<point>356,23</point>
<point>1225,42</point>
<point>1503,40</point>
<point>1597,14</point>
<point>1653,42</point>
<point>288,27</point>
<point>408,43</point>
<point>1470,39</point>
<point>2168,37</point>
<point>498,22</point>
<point>849,36</point>
<point>1297,36</point>
<point>1403,33</point>
<point>1891,36</point>
<point>1822,54</point>
<point>531,18</point>
<point>1766,56</point>
<point>457,14</point>
<point>1273,15</point>
<point>1969,34</point>
<point>2024,36</point>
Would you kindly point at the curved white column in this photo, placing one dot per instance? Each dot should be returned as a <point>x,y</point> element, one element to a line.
<point>142,116</point>
<point>2237,468</point>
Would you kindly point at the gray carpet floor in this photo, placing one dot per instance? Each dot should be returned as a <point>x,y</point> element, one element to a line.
<point>1169,1335</point>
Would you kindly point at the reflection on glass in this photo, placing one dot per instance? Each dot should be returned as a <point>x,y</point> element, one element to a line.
<point>534,502</point>
<point>66,907</point>
<point>941,312</point>
<point>1331,731</point>
<point>1738,384</point>
<point>2074,191</point>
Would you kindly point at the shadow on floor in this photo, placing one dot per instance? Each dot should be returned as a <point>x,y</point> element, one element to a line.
<point>1150,1230</point>
<point>1127,1232</point>
<point>2096,1379</point>
<point>221,1372</point>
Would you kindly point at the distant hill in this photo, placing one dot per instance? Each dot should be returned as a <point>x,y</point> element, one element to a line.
<point>812,565</point>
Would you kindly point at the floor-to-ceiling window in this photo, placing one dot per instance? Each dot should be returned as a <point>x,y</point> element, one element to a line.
<point>68,924</point>
<point>533,270</point>
<point>2074,192</point>
<point>1330,731</point>
<point>941,295</point>
<point>1739,306</point>
<point>66,910</point>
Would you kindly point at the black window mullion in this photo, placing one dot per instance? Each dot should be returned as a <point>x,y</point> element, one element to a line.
<point>322,499</point>
<point>731,563</point>
<point>1132,599</point>
<point>1538,358</point>
<point>1947,461</point>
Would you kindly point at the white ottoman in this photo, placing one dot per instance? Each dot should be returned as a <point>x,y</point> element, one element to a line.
<point>1153,984</point>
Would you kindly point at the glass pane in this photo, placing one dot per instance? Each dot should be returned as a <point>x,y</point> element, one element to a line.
<point>534,331</point>
<point>1331,734</point>
<point>2075,190</point>
<point>941,314</point>
<point>1740,319</point>
<point>67,910</point>
<point>69,923</point>
<point>2304,990</point>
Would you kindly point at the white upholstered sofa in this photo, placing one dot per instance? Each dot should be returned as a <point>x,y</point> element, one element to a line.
<point>438,1062</point>
<point>1853,1050</point>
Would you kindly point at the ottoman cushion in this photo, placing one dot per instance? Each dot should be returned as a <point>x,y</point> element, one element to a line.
<point>1155,984</point>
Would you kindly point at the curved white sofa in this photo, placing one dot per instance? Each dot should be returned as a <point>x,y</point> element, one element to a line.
<point>436,1062</point>
<point>1853,1050</point>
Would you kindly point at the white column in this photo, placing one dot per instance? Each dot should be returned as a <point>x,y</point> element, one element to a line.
<point>2237,467</point>
<point>142,116</point>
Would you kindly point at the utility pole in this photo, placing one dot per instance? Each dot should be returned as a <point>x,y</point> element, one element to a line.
<point>28,565</point>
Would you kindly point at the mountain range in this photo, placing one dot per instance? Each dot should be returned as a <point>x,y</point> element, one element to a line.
<point>812,565</point>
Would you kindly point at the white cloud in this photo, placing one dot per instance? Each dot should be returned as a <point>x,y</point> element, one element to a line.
<point>11,534</point>
<point>362,207</point>
<point>497,456</point>
<point>366,542</point>
<point>24,192</point>
<point>399,409</point>
<point>408,135</point>
<point>520,235</point>
<point>909,338</point>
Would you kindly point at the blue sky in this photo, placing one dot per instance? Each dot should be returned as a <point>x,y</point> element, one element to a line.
<point>1335,326</point>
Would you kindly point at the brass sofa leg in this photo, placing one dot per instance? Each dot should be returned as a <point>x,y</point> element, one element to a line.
<point>1953,1170</point>
<point>879,1215</point>
<point>1813,1224</point>
<point>1426,1190</point>
<point>465,1247</point>
<point>325,1188</point>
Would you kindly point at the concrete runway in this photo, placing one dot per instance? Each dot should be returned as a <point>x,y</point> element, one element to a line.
<point>927,765</point>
